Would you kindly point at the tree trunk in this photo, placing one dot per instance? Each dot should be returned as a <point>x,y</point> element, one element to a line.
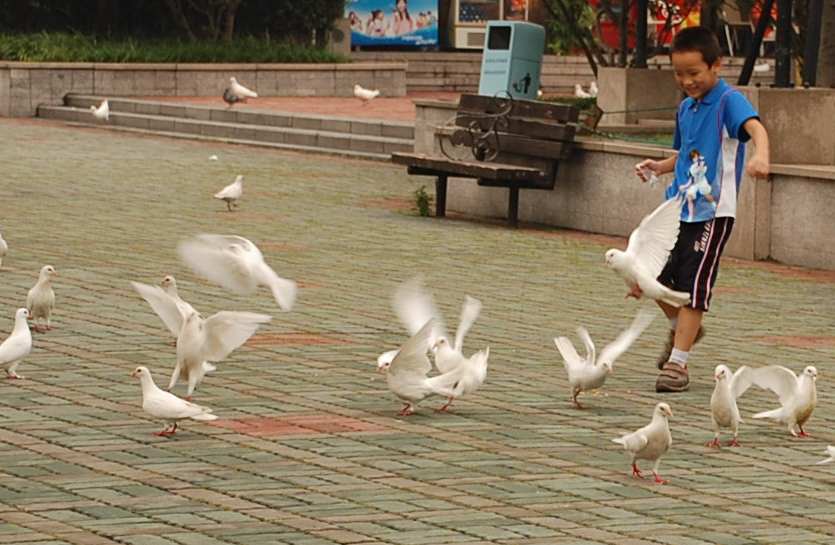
<point>229,19</point>
<point>826,53</point>
<point>176,9</point>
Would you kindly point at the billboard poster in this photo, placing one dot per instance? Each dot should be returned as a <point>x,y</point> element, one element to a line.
<point>393,22</point>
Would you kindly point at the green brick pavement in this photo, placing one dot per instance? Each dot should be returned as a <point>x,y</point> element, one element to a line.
<point>514,464</point>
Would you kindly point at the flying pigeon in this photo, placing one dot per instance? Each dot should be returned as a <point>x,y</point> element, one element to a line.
<point>650,442</point>
<point>590,372</point>
<point>236,264</point>
<point>724,412</point>
<point>579,92</point>
<point>166,406</point>
<point>647,252</point>
<point>166,302</point>
<point>40,301</point>
<point>4,248</point>
<point>366,95</point>
<point>593,90</point>
<point>232,192</point>
<point>830,451</point>
<point>407,374</point>
<point>17,345</point>
<point>236,92</point>
<point>102,113</point>
<point>797,394</point>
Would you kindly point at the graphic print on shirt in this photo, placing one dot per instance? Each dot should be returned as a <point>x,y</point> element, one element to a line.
<point>697,185</point>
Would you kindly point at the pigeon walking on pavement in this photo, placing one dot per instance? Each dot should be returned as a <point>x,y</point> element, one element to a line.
<point>650,442</point>
<point>40,301</point>
<point>723,409</point>
<point>166,406</point>
<point>17,345</point>
<point>797,394</point>
<point>232,192</point>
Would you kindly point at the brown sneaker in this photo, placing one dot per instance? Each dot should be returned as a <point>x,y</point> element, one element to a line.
<point>668,348</point>
<point>672,378</point>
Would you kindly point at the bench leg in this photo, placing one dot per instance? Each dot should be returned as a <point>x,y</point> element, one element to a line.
<point>513,207</point>
<point>440,196</point>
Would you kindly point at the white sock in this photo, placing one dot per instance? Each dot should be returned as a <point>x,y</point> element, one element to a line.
<point>673,323</point>
<point>679,357</point>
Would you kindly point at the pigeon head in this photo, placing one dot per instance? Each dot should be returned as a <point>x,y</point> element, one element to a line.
<point>357,87</point>
<point>168,283</point>
<point>384,362</point>
<point>440,344</point>
<point>233,80</point>
<point>721,373</point>
<point>663,410</point>
<point>92,108</point>
<point>614,258</point>
<point>811,372</point>
<point>139,371</point>
<point>47,272</point>
<point>21,314</point>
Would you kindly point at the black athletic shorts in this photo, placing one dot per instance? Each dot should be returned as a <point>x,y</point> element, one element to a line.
<point>694,262</point>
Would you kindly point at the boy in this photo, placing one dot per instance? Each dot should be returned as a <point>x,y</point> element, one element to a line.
<point>712,125</point>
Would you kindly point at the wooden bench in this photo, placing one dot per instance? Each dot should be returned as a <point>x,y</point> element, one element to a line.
<point>516,144</point>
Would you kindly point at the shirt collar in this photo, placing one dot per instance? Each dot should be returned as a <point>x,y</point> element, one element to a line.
<point>714,94</point>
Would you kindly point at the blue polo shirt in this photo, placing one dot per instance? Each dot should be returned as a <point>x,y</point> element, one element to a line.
<point>712,127</point>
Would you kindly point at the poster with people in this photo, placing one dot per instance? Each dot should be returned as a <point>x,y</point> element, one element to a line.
<point>393,22</point>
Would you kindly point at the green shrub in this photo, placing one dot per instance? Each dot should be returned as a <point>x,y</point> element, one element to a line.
<point>65,47</point>
<point>422,201</point>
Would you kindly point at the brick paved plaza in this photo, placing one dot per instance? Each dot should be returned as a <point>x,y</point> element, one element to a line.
<point>308,449</point>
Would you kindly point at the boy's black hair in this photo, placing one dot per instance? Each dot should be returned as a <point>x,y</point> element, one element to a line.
<point>698,38</point>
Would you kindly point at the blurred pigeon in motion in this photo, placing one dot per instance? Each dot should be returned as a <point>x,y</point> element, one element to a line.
<point>797,394</point>
<point>366,95</point>
<point>236,92</point>
<point>40,301</point>
<point>467,376</point>
<point>17,345</point>
<point>646,254</point>
<point>650,442</point>
<point>4,248</point>
<point>593,90</point>
<point>232,192</point>
<point>407,374</point>
<point>590,373</point>
<point>166,406</point>
<point>236,264</point>
<point>213,158</point>
<point>830,451</point>
<point>102,113</point>
<point>579,92</point>
<point>723,409</point>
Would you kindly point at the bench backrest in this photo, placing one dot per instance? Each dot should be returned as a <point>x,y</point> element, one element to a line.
<point>526,132</point>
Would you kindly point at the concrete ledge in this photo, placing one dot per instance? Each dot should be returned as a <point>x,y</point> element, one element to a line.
<point>25,85</point>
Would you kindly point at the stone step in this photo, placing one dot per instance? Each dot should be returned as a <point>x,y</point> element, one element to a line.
<point>266,118</point>
<point>340,143</point>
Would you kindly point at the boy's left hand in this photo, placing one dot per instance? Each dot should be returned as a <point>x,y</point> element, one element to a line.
<point>757,167</point>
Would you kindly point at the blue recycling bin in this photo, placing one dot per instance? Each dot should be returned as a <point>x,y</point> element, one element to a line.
<point>512,59</point>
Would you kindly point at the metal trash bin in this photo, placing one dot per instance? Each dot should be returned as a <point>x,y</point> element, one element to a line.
<point>512,59</point>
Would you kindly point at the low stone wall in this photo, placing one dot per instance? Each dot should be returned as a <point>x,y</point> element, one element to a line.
<point>784,218</point>
<point>23,86</point>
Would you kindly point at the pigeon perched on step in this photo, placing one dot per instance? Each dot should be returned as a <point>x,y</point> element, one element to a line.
<point>646,254</point>
<point>590,372</point>
<point>232,192</point>
<point>17,345</point>
<point>593,90</point>
<point>40,301</point>
<point>102,113</point>
<point>366,95</point>
<point>166,406</point>
<point>236,264</point>
<point>797,394</point>
<point>579,92</point>
<point>723,409</point>
<point>235,92</point>
<point>650,442</point>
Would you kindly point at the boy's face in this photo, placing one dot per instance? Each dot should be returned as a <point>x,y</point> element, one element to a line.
<point>693,74</point>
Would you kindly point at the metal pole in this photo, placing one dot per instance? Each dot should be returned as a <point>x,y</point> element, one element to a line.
<point>813,42</point>
<point>623,26</point>
<point>783,54</point>
<point>640,60</point>
<point>762,24</point>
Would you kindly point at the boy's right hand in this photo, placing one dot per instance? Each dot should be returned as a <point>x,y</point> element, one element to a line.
<point>646,168</point>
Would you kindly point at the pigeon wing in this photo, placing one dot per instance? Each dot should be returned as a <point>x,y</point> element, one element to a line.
<point>571,359</point>
<point>741,381</point>
<point>615,349</point>
<point>414,306</point>
<point>469,314</point>
<point>227,330</point>
<point>411,359</point>
<point>650,244</point>
<point>776,378</point>
<point>591,353</point>
<point>210,257</point>
<point>163,304</point>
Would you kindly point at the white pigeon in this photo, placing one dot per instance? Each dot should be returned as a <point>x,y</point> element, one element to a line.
<point>649,442</point>
<point>166,406</point>
<point>366,95</point>
<point>830,451</point>
<point>579,92</point>
<point>40,301</point>
<point>723,409</point>
<point>407,374</point>
<point>762,67</point>
<point>213,158</point>
<point>593,90</point>
<point>467,376</point>
<point>590,373</point>
<point>232,192</point>
<point>4,248</point>
<point>102,113</point>
<point>17,345</point>
<point>647,252</point>
<point>167,303</point>
<point>236,92</point>
<point>236,264</point>
<point>539,93</point>
<point>797,394</point>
